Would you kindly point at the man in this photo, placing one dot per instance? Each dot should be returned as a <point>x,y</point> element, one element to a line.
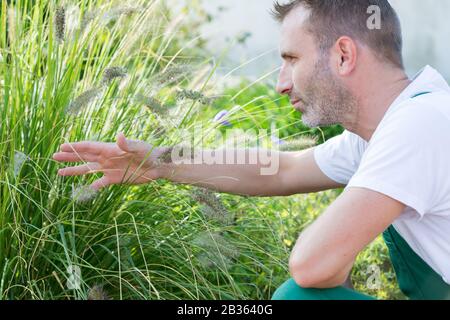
<point>392,159</point>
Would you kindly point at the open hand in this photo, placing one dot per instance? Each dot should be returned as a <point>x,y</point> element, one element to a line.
<point>123,162</point>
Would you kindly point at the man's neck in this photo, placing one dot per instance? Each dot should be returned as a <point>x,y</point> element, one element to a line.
<point>374,101</point>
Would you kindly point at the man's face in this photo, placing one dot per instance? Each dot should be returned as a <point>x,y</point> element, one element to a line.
<point>306,75</point>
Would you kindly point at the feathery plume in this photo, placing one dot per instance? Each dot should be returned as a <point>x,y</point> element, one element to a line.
<point>83,100</point>
<point>19,159</point>
<point>217,251</point>
<point>60,23</point>
<point>117,12</point>
<point>112,73</point>
<point>82,194</point>
<point>72,16</point>
<point>12,25</point>
<point>209,261</point>
<point>172,75</point>
<point>108,16</point>
<point>298,144</point>
<point>97,293</point>
<point>152,104</point>
<point>212,207</point>
<point>216,214</point>
<point>194,96</point>
<point>88,17</point>
<point>207,197</point>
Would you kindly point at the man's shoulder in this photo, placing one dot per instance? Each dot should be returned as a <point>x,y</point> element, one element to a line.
<point>350,139</point>
<point>417,122</point>
<point>424,106</point>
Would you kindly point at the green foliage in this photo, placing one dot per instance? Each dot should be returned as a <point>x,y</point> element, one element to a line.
<point>263,106</point>
<point>86,85</point>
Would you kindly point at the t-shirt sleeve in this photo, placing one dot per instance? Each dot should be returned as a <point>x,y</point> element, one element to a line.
<point>339,157</point>
<point>408,159</point>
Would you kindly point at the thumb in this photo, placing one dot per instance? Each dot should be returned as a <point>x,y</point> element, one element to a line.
<point>122,142</point>
<point>127,145</point>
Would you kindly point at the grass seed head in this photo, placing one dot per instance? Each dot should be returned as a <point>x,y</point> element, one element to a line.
<point>213,208</point>
<point>172,75</point>
<point>83,194</point>
<point>115,13</point>
<point>217,251</point>
<point>207,197</point>
<point>209,261</point>
<point>113,73</point>
<point>88,17</point>
<point>12,20</point>
<point>298,144</point>
<point>82,101</point>
<point>220,215</point>
<point>194,96</point>
<point>60,23</point>
<point>152,104</point>
<point>97,293</point>
<point>19,160</point>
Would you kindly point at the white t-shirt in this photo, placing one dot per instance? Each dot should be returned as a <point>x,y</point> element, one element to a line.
<point>407,159</point>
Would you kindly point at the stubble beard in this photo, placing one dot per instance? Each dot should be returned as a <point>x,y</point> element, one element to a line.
<point>326,101</point>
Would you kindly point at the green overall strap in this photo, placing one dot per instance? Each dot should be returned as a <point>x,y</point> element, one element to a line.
<point>417,280</point>
<point>420,94</point>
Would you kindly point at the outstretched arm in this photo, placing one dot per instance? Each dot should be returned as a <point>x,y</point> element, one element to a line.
<point>137,162</point>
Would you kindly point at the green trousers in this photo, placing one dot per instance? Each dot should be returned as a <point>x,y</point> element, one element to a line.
<point>416,279</point>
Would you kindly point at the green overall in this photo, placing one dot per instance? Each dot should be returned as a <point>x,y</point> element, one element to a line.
<point>416,279</point>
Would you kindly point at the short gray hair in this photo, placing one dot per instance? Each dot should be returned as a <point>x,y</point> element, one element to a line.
<point>331,19</point>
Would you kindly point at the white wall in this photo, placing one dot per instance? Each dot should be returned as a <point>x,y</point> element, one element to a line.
<point>241,16</point>
<point>426,31</point>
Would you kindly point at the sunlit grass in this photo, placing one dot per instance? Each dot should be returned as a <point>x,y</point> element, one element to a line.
<point>76,73</point>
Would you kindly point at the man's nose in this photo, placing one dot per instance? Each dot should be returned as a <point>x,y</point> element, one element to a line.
<point>284,85</point>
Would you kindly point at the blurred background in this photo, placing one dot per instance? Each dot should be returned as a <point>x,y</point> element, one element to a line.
<point>250,33</point>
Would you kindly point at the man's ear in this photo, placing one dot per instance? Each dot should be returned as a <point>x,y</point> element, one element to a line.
<point>345,54</point>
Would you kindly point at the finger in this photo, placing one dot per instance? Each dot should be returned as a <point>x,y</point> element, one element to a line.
<point>80,170</point>
<point>100,183</point>
<point>85,146</point>
<point>75,157</point>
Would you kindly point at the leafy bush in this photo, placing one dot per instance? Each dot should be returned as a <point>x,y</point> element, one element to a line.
<point>86,73</point>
